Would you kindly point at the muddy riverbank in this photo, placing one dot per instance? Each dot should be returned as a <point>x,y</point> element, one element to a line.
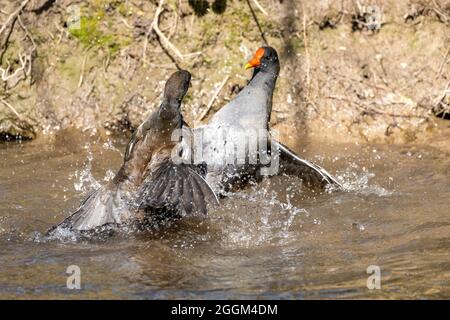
<point>348,74</point>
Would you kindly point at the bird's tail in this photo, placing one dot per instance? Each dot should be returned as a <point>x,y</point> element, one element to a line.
<point>176,188</point>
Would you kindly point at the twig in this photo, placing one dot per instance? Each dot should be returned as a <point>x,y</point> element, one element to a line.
<point>126,23</point>
<point>27,33</point>
<point>444,62</point>
<point>25,59</point>
<point>312,104</point>
<point>305,40</point>
<point>89,92</point>
<point>444,93</point>
<point>384,76</point>
<point>80,83</point>
<point>163,37</point>
<point>169,55</point>
<point>50,34</point>
<point>62,32</point>
<point>357,6</point>
<point>155,18</point>
<point>308,63</point>
<point>260,7</point>
<point>164,41</point>
<point>173,29</point>
<point>13,15</point>
<point>5,76</point>
<point>191,25</point>
<point>106,63</point>
<point>440,13</point>
<point>214,97</point>
<point>11,108</point>
<point>257,23</point>
<point>5,43</point>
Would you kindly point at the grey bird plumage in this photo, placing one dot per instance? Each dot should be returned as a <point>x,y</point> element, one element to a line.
<point>241,122</point>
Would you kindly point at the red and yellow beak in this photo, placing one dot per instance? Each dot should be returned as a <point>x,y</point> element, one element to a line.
<point>256,60</point>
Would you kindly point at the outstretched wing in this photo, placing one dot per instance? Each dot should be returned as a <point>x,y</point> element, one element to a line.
<point>101,207</point>
<point>312,174</point>
<point>176,188</point>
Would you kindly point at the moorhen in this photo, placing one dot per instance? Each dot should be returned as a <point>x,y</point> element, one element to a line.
<point>240,123</point>
<point>148,180</point>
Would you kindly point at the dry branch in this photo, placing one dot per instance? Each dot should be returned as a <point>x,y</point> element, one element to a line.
<point>25,59</point>
<point>163,39</point>
<point>444,62</point>
<point>24,69</point>
<point>441,14</point>
<point>83,66</point>
<point>13,15</point>
<point>257,23</point>
<point>305,40</point>
<point>24,28</point>
<point>260,7</point>
<point>214,97</point>
<point>10,107</point>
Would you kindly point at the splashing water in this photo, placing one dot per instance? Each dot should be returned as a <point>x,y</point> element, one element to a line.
<point>84,180</point>
<point>257,217</point>
<point>261,215</point>
<point>271,240</point>
<point>109,175</point>
<point>108,145</point>
<point>358,181</point>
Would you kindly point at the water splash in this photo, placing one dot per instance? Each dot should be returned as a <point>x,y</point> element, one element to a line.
<point>259,217</point>
<point>108,145</point>
<point>355,180</point>
<point>84,179</point>
<point>109,175</point>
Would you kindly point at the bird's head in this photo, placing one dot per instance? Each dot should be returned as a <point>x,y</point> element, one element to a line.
<point>177,86</point>
<point>264,58</point>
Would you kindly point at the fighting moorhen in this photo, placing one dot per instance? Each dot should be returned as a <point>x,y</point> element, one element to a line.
<point>240,123</point>
<point>148,181</point>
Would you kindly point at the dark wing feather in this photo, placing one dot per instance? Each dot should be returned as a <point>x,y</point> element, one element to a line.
<point>312,174</point>
<point>150,192</point>
<point>176,187</point>
<point>188,198</point>
<point>98,209</point>
<point>168,196</point>
<point>198,196</point>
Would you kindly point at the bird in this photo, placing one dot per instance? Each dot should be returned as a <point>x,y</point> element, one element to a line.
<point>228,144</point>
<point>149,182</point>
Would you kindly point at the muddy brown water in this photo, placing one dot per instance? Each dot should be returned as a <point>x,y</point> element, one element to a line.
<point>272,240</point>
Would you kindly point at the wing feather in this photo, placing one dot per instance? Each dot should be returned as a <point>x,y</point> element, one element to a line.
<point>176,187</point>
<point>312,174</point>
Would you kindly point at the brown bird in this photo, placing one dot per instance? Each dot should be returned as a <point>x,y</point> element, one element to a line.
<point>149,183</point>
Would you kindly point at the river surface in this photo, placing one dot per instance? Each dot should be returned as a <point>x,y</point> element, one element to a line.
<point>273,240</point>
